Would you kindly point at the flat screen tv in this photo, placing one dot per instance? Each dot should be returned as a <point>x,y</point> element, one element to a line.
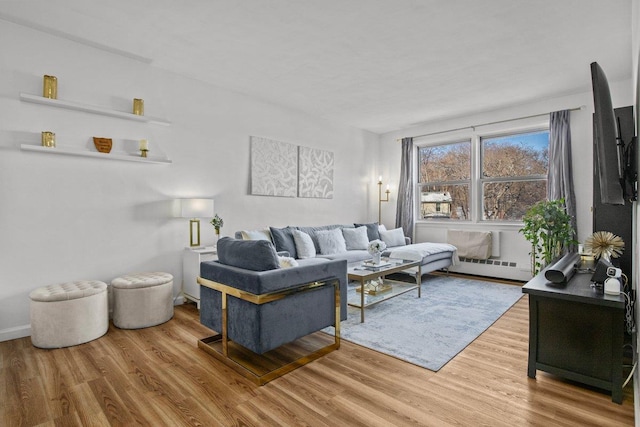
<point>609,146</point>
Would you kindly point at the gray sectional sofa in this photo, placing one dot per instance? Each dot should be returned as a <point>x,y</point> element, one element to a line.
<point>434,256</point>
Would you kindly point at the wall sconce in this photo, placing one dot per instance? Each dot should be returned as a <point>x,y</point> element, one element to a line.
<point>194,209</point>
<point>380,199</point>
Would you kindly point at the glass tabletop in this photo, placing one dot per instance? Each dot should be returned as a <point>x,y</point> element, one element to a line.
<point>366,269</point>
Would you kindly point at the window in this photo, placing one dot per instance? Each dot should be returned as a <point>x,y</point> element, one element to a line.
<point>514,174</point>
<point>497,177</point>
<point>444,180</point>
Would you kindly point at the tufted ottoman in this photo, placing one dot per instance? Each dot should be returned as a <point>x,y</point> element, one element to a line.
<point>69,314</point>
<point>142,299</point>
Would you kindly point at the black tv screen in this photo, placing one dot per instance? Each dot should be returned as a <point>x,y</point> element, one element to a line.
<point>609,155</point>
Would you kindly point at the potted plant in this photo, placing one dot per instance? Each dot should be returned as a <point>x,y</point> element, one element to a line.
<point>217,223</point>
<point>548,227</point>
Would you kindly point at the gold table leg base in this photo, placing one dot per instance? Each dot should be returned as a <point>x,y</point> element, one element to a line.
<point>261,368</point>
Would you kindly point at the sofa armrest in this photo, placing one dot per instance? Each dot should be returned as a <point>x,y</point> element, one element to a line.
<point>407,240</point>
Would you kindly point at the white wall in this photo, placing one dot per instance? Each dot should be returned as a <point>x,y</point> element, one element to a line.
<point>67,218</point>
<point>513,242</point>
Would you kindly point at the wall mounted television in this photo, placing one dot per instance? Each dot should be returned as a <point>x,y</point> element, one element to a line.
<point>615,160</point>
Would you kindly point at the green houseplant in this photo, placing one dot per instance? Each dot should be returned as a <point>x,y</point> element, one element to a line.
<point>548,227</point>
<point>217,223</point>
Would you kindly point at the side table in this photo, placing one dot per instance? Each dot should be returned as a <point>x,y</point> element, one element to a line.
<point>191,259</point>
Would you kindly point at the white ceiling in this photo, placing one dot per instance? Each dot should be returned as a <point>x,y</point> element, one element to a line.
<point>378,65</point>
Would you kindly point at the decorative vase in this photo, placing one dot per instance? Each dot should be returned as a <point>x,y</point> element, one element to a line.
<point>50,87</point>
<point>138,106</point>
<point>377,258</point>
<point>48,139</point>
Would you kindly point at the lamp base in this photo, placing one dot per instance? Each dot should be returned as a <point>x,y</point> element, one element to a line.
<point>194,232</point>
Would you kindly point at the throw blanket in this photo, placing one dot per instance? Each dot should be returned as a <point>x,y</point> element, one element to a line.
<point>418,251</point>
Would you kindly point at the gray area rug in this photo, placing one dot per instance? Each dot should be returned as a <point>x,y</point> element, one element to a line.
<point>431,330</point>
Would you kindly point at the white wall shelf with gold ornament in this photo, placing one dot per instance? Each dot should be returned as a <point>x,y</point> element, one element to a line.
<point>71,105</point>
<point>95,154</point>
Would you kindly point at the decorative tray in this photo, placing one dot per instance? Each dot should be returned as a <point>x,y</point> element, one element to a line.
<point>374,289</point>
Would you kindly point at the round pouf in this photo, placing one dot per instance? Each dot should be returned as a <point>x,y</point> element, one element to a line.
<point>141,300</point>
<point>69,314</point>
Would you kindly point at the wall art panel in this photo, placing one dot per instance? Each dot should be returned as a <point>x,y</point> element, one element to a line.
<point>315,177</point>
<point>274,168</point>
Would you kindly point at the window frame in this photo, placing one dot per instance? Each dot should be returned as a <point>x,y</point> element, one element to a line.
<point>467,182</point>
<point>476,180</point>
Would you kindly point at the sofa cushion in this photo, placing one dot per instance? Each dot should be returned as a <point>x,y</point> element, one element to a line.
<point>311,231</point>
<point>304,245</point>
<point>283,239</point>
<point>393,237</point>
<point>331,241</point>
<point>356,238</point>
<point>372,230</point>
<point>255,255</point>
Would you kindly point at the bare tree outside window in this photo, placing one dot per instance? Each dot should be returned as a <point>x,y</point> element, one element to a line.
<point>514,174</point>
<point>512,177</point>
<point>445,177</point>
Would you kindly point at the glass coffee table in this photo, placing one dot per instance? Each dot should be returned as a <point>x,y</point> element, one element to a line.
<point>374,287</point>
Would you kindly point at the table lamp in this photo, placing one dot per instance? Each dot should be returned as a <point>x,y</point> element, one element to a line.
<point>194,209</point>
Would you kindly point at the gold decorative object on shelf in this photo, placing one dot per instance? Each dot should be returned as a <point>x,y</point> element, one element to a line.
<point>103,145</point>
<point>604,244</point>
<point>48,139</point>
<point>138,106</point>
<point>144,147</point>
<point>50,87</point>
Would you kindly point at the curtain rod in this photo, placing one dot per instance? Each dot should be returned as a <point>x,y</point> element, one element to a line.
<point>582,107</point>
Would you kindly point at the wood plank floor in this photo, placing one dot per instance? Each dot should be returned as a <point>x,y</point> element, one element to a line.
<point>157,376</point>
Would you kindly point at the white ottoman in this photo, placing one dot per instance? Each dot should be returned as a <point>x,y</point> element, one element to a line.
<point>69,314</point>
<point>141,300</point>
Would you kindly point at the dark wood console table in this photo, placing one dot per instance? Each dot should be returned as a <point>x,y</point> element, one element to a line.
<point>576,332</point>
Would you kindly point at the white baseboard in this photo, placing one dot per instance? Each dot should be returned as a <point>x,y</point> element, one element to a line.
<point>15,333</point>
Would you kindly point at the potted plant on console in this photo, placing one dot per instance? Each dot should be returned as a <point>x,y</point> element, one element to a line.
<point>217,223</point>
<point>548,227</point>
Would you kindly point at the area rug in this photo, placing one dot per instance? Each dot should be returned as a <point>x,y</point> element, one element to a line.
<point>429,331</point>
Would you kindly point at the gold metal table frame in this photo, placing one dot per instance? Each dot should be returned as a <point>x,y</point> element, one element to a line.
<point>261,368</point>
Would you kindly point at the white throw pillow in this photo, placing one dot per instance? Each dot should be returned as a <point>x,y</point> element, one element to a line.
<point>381,227</point>
<point>331,241</point>
<point>256,235</point>
<point>355,238</point>
<point>304,245</point>
<point>286,262</point>
<point>393,237</point>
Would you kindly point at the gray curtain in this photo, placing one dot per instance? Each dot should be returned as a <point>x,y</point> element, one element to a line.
<point>404,209</point>
<point>560,175</point>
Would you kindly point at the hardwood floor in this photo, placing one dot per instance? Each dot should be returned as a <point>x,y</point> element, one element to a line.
<point>157,376</point>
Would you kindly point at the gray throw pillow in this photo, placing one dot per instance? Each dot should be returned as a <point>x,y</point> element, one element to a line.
<point>372,230</point>
<point>283,239</point>
<point>356,238</point>
<point>256,255</point>
<point>331,241</point>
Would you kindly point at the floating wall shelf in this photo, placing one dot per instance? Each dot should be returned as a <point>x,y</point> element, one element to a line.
<point>70,105</point>
<point>94,154</point>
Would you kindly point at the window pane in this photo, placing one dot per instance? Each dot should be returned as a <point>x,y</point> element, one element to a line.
<point>523,154</point>
<point>508,201</point>
<point>445,201</point>
<point>450,162</point>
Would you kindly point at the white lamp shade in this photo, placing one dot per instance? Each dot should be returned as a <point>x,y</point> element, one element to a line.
<point>195,208</point>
